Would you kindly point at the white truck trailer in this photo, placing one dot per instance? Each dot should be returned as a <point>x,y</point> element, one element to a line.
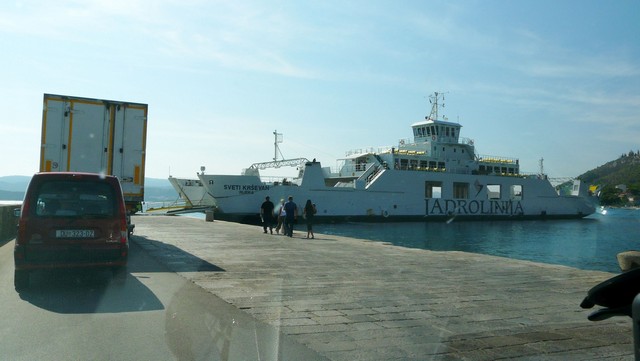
<point>97,136</point>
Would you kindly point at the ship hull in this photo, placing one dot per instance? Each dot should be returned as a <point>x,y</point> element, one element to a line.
<point>395,195</point>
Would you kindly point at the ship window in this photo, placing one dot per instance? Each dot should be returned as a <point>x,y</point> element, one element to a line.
<point>453,132</point>
<point>428,131</point>
<point>418,132</point>
<point>413,164</point>
<point>516,192</point>
<point>441,165</point>
<point>448,131</point>
<point>493,191</point>
<point>361,164</point>
<point>423,164</point>
<point>404,163</point>
<point>433,189</point>
<point>460,190</point>
<point>432,164</point>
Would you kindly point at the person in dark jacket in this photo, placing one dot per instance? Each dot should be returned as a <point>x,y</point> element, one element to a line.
<point>266,214</point>
<point>308,212</point>
<point>291,210</point>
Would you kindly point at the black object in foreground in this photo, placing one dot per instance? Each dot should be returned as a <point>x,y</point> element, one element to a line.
<point>615,295</point>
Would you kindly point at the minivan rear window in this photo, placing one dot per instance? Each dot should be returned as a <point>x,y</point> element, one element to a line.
<point>58,198</point>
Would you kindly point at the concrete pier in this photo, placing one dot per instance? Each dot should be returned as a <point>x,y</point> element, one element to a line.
<point>351,299</point>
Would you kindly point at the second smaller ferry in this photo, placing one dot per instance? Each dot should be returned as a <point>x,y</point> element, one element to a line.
<point>192,192</point>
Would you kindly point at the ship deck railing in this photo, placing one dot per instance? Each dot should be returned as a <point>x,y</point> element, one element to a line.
<point>368,150</point>
<point>492,159</point>
<point>276,180</point>
<point>467,171</point>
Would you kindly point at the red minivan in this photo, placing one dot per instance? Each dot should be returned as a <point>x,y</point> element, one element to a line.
<point>68,220</point>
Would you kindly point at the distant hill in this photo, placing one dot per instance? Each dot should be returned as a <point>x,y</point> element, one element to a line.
<point>624,170</point>
<point>618,181</point>
<point>12,188</point>
<point>11,196</point>
<point>14,183</point>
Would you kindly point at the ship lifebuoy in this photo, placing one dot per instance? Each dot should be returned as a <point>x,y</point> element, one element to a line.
<point>385,214</point>
<point>433,137</point>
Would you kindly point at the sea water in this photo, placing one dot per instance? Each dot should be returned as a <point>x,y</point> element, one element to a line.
<point>591,243</point>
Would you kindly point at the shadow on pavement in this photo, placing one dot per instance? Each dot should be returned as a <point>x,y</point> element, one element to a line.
<point>88,291</point>
<point>174,258</point>
<point>78,291</point>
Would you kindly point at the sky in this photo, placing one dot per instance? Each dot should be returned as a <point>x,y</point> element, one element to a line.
<point>529,79</point>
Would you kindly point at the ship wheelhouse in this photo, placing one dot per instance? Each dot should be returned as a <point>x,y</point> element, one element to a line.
<point>436,146</point>
<point>436,131</point>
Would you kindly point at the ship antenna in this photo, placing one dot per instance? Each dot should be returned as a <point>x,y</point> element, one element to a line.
<point>541,166</point>
<point>278,139</point>
<point>434,99</point>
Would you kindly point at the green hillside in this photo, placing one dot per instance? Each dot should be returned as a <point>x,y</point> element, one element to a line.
<point>624,170</point>
<point>618,180</point>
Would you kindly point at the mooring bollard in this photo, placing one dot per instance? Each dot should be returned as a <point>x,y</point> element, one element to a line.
<point>209,216</point>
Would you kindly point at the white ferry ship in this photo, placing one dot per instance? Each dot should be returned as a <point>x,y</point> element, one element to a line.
<point>435,176</point>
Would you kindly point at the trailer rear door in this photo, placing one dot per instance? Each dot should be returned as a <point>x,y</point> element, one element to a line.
<point>130,123</point>
<point>75,136</point>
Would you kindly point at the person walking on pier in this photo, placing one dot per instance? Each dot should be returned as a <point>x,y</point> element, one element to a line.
<point>292,214</point>
<point>266,214</point>
<point>281,215</point>
<point>308,212</point>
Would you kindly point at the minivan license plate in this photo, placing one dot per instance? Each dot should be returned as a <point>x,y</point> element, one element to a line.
<point>75,233</point>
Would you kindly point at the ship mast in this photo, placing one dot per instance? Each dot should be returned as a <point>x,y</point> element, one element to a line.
<point>433,100</point>
<point>277,163</point>
<point>278,139</point>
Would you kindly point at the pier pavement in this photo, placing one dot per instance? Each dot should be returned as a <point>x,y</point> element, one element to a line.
<point>352,299</point>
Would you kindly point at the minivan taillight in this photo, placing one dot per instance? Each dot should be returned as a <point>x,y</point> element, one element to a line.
<point>124,226</point>
<point>124,238</point>
<point>124,230</point>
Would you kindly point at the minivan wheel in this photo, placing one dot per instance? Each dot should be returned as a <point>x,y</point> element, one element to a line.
<point>20,280</point>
